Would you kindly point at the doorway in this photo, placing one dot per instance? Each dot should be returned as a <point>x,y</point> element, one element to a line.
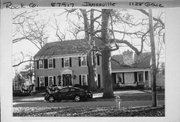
<point>67,79</point>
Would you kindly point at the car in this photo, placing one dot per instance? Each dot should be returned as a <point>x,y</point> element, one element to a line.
<point>85,87</point>
<point>68,93</point>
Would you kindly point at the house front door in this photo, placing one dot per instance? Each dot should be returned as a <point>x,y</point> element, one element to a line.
<point>67,80</point>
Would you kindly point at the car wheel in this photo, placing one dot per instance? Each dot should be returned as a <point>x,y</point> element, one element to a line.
<point>77,98</point>
<point>51,99</point>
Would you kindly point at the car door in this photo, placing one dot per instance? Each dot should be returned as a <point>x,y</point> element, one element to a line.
<point>72,93</point>
<point>63,94</point>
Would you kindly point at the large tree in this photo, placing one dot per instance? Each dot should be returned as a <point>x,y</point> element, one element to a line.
<point>107,23</point>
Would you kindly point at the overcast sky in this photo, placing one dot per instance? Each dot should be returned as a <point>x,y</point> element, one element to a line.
<point>47,15</point>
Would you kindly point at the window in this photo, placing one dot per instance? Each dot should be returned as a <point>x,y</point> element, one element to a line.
<point>51,81</point>
<point>72,90</point>
<point>50,63</point>
<point>41,81</point>
<point>66,62</point>
<point>41,64</point>
<point>84,79</point>
<point>64,90</point>
<point>83,61</point>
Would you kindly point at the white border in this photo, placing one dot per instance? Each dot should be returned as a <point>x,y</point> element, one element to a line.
<point>172,81</point>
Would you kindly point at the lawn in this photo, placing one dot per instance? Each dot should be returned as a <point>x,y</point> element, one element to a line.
<point>87,111</point>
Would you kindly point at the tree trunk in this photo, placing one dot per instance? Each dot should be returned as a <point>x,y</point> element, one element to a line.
<point>106,56</point>
<point>91,77</point>
<point>106,71</point>
<point>153,55</point>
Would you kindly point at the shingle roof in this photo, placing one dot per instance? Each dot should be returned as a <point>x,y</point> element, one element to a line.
<point>141,61</point>
<point>63,48</point>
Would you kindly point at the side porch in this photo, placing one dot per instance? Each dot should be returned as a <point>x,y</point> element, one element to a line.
<point>132,78</point>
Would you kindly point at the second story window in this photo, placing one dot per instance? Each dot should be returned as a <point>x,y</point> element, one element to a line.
<point>82,61</point>
<point>41,64</point>
<point>66,62</point>
<point>50,63</point>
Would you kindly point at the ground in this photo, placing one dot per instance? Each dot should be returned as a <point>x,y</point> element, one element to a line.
<point>133,103</point>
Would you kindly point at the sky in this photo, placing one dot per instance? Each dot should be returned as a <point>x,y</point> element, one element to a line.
<point>47,16</point>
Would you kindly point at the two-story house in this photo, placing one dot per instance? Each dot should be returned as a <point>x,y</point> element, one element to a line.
<point>64,63</point>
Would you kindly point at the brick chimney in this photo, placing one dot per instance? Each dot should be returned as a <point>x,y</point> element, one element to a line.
<point>128,57</point>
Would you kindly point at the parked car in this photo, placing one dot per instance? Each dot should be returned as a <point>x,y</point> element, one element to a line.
<point>69,93</point>
<point>85,87</point>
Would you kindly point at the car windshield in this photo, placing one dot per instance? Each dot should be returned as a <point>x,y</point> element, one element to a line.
<point>64,90</point>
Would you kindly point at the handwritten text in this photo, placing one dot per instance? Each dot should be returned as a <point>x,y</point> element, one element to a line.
<point>146,4</point>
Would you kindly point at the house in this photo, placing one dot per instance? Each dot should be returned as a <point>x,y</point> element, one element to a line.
<point>64,63</point>
<point>129,69</point>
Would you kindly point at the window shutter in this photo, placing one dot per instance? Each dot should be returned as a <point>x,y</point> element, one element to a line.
<point>46,81</point>
<point>54,80</point>
<point>38,82</point>
<point>70,61</point>
<point>80,79</point>
<point>38,65</point>
<point>135,76</point>
<point>54,63</point>
<point>45,63</point>
<point>79,61</point>
<point>62,62</point>
<point>99,80</point>
<point>98,60</point>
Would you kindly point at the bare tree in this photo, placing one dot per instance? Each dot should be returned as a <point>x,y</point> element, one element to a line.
<point>28,28</point>
<point>106,28</point>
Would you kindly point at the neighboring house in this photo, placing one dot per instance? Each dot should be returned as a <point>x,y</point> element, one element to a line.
<point>64,63</point>
<point>24,78</point>
<point>129,69</point>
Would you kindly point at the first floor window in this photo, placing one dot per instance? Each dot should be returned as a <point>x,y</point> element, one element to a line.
<point>51,81</point>
<point>41,81</point>
<point>84,79</point>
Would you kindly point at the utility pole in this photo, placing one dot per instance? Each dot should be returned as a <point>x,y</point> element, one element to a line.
<point>153,56</point>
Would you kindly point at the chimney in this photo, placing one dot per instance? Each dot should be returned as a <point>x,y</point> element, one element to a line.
<point>128,57</point>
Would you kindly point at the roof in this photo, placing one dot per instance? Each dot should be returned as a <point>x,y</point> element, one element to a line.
<point>140,62</point>
<point>67,47</point>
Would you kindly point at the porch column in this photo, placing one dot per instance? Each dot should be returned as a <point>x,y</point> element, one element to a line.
<point>144,79</point>
<point>149,79</point>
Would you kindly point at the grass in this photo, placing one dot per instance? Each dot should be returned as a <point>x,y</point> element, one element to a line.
<point>86,111</point>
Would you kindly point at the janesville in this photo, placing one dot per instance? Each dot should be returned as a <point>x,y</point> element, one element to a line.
<point>104,4</point>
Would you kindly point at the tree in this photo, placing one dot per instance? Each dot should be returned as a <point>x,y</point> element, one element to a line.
<point>28,28</point>
<point>153,55</point>
<point>106,55</point>
<point>109,18</point>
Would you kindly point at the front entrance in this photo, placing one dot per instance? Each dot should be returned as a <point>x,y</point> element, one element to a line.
<point>67,79</point>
